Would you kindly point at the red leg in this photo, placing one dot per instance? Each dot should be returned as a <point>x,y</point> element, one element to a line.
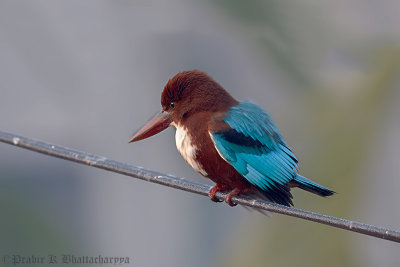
<point>234,192</point>
<point>214,190</point>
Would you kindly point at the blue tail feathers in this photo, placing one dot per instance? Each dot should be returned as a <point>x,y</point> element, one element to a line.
<point>310,186</point>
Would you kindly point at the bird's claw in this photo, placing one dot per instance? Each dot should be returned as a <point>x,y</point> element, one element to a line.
<point>228,198</point>
<point>229,202</point>
<point>216,188</point>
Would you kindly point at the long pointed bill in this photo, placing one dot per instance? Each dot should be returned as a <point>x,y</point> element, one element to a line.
<point>159,122</point>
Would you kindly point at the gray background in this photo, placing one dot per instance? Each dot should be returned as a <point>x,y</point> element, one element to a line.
<point>87,74</point>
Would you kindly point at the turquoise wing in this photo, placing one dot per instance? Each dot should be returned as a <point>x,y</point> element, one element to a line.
<point>253,145</point>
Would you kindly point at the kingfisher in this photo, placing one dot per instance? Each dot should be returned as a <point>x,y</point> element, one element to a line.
<point>235,144</point>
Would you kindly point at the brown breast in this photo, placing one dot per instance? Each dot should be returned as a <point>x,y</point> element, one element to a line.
<point>214,166</point>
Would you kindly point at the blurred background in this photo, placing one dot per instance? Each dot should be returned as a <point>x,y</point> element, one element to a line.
<point>87,74</point>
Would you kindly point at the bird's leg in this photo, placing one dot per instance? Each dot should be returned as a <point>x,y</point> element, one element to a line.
<point>216,188</point>
<point>236,191</point>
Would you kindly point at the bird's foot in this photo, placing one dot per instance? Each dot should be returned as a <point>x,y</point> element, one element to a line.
<point>216,188</point>
<point>228,197</point>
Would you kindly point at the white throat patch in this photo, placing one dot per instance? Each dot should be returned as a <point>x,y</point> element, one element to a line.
<point>187,149</point>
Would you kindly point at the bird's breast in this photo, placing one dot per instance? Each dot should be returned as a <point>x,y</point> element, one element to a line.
<point>188,149</point>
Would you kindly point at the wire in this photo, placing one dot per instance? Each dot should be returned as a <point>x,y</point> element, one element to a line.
<point>183,184</point>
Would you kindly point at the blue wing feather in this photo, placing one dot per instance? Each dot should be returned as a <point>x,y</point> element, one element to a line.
<point>255,147</point>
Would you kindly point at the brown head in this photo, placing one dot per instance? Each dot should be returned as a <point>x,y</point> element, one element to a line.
<point>186,93</point>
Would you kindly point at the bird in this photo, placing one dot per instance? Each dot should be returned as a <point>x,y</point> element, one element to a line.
<point>235,144</point>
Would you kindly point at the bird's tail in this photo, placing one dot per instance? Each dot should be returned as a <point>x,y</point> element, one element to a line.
<point>310,186</point>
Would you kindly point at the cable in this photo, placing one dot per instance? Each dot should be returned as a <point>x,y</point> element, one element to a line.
<point>183,184</point>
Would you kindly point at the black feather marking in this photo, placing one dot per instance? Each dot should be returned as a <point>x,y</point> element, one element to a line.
<point>280,194</point>
<point>240,139</point>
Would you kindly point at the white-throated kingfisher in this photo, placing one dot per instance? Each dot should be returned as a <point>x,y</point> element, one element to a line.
<point>235,144</point>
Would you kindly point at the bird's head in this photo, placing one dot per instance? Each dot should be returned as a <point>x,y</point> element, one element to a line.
<point>187,93</point>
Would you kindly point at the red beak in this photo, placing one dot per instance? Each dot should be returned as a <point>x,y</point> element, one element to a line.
<point>159,122</point>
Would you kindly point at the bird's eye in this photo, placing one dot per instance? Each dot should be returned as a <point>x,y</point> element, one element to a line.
<point>172,104</point>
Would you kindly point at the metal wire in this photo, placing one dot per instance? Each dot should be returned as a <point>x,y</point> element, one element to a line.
<point>183,184</point>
